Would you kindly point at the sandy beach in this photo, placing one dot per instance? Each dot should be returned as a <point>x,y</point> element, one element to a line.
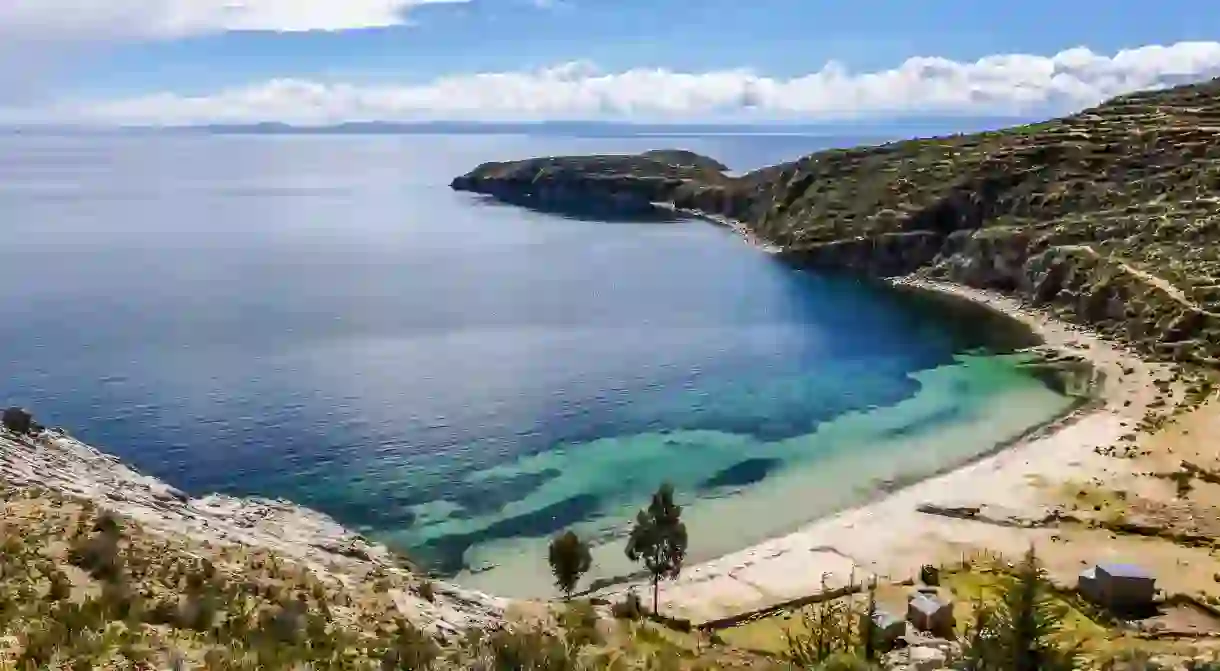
<point>1005,494</point>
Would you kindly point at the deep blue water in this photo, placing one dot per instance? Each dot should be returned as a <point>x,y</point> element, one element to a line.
<point>322,319</point>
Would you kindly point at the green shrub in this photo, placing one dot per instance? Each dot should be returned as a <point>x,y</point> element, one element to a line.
<point>61,586</point>
<point>630,608</point>
<point>410,649</point>
<point>530,651</point>
<point>579,622</point>
<point>426,591</point>
<point>675,623</point>
<point>844,661</point>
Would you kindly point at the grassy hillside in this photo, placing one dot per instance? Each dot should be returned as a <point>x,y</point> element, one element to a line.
<point>1110,216</point>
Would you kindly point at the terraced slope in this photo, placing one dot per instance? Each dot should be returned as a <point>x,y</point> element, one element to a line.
<point>1110,215</point>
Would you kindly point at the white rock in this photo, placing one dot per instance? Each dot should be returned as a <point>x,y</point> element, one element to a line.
<point>920,658</point>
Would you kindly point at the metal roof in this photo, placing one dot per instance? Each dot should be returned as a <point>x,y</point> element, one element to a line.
<point>1124,571</point>
<point>928,605</point>
<point>885,619</point>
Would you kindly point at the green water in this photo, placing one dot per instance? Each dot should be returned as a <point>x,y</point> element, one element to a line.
<point>962,410</point>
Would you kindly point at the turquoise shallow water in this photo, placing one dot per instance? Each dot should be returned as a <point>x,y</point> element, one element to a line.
<point>741,489</point>
<point>321,319</point>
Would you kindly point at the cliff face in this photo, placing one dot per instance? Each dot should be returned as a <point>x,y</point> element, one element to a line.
<point>1110,216</point>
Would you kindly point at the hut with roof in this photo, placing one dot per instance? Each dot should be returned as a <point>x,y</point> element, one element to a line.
<point>1118,587</point>
<point>928,611</point>
<point>887,628</point>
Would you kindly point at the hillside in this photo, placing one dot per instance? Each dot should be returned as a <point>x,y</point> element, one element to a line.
<point>87,543</point>
<point>1109,216</point>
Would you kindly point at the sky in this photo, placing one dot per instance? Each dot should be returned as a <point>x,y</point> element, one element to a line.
<point>328,61</point>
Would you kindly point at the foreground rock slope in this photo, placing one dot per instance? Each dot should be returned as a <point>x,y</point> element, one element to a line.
<point>1108,216</point>
<point>254,563</point>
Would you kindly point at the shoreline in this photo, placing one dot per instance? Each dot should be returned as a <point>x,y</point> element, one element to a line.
<point>985,503</point>
<point>902,525</point>
<point>735,225</point>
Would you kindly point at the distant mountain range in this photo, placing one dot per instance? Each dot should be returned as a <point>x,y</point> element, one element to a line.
<point>896,127</point>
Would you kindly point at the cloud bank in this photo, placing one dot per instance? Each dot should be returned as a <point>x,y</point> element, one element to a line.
<point>39,38</point>
<point>50,21</point>
<point>998,84</point>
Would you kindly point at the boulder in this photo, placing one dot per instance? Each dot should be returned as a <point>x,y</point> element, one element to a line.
<point>916,658</point>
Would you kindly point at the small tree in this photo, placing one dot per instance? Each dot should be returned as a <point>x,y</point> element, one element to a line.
<point>1033,618</point>
<point>658,539</point>
<point>983,647</point>
<point>869,633</point>
<point>570,559</point>
<point>1020,629</point>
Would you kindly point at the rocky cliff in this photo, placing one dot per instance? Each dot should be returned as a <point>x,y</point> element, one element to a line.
<point>1109,216</point>
<point>86,540</point>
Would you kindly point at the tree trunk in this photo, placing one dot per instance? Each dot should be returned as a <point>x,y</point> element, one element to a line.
<point>656,582</point>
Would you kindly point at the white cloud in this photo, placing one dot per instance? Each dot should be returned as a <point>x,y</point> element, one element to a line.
<point>999,84</point>
<point>39,38</point>
<point>50,21</point>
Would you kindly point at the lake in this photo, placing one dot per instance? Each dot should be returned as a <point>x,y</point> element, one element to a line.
<point>321,319</point>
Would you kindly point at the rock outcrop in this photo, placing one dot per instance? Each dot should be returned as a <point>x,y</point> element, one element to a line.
<point>1109,216</point>
<point>57,462</point>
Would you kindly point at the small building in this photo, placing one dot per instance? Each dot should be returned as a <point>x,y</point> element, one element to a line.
<point>928,612</point>
<point>1118,587</point>
<point>887,629</point>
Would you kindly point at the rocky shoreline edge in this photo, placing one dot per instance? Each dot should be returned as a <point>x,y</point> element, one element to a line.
<point>52,460</point>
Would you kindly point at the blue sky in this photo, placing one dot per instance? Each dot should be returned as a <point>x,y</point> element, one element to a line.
<point>199,59</point>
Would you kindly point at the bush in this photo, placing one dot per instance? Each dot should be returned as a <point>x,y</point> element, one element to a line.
<point>676,623</point>
<point>410,649</point>
<point>843,661</point>
<point>579,622</point>
<point>199,613</point>
<point>18,420</point>
<point>532,651</point>
<point>426,591</point>
<point>830,630</point>
<point>61,586</point>
<point>99,556</point>
<point>630,608</point>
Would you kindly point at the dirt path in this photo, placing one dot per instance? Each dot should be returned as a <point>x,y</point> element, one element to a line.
<point>1161,283</point>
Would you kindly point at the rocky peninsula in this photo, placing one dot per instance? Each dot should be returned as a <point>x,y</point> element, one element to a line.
<point>1108,217</point>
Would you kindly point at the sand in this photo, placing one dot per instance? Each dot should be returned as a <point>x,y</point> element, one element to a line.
<point>890,538</point>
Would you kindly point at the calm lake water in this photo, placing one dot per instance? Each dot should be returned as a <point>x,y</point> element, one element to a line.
<point>322,319</point>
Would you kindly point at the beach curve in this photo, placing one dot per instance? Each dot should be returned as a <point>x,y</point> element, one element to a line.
<point>991,503</point>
